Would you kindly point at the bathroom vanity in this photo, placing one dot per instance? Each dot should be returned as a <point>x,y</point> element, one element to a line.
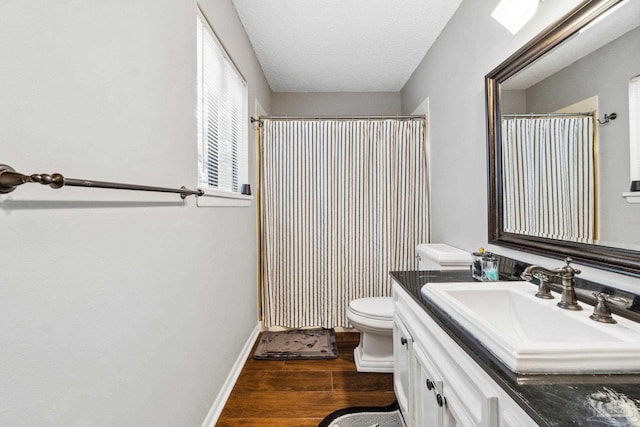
<point>445,376</point>
<point>445,373</point>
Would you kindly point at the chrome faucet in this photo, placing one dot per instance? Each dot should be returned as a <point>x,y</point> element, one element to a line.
<point>568,300</point>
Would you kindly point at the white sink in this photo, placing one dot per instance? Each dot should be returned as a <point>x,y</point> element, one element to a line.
<point>532,335</point>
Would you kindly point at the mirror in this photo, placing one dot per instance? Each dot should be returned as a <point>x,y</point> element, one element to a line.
<point>557,166</point>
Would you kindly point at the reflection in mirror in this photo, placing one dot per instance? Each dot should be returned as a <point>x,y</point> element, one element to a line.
<point>548,179</point>
<point>557,167</point>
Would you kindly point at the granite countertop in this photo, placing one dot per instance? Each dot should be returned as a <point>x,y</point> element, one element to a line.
<point>550,400</point>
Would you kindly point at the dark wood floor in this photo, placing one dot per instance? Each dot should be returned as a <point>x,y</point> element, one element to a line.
<point>301,393</point>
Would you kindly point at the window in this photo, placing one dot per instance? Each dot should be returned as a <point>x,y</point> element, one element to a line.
<point>222,117</point>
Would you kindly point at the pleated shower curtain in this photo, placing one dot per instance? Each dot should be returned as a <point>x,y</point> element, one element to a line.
<point>343,202</point>
<point>549,177</point>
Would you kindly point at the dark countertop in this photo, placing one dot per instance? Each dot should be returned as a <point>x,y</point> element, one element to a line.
<point>550,400</point>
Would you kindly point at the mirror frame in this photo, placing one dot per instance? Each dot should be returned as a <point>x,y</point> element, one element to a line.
<point>610,258</point>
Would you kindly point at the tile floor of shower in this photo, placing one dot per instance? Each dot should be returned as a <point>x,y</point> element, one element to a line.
<point>301,393</point>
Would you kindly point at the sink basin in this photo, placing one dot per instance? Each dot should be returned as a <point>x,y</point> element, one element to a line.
<point>532,335</point>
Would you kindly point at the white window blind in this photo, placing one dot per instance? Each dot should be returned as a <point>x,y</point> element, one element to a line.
<point>222,116</point>
<point>634,127</point>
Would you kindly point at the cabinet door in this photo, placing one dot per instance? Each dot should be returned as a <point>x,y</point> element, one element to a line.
<point>402,372</point>
<point>428,398</point>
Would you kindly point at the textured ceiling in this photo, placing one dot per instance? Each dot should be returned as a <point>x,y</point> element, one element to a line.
<point>342,45</point>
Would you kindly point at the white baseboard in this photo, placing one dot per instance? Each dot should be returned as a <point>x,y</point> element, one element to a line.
<point>227,387</point>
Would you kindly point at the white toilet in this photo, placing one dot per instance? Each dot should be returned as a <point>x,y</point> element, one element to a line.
<point>373,317</point>
<point>440,256</point>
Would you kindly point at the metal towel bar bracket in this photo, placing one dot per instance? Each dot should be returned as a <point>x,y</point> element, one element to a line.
<point>10,180</point>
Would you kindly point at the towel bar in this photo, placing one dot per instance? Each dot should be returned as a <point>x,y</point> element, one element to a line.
<point>10,180</point>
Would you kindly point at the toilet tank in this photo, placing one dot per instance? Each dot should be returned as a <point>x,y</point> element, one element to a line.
<point>440,256</point>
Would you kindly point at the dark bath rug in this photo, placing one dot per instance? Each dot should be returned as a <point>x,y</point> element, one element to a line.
<point>297,344</point>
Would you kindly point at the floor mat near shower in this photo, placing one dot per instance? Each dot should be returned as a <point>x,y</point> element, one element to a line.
<point>297,344</point>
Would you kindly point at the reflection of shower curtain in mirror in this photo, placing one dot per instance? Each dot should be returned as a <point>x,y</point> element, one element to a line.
<point>343,202</point>
<point>549,177</point>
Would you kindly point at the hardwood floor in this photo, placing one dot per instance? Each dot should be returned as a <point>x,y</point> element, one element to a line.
<point>301,393</point>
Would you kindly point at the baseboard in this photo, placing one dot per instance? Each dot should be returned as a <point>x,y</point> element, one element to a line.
<point>227,387</point>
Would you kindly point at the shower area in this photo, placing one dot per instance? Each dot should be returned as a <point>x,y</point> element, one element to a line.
<point>343,201</point>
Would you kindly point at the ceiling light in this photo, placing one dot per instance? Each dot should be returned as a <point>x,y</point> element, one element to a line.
<point>513,14</point>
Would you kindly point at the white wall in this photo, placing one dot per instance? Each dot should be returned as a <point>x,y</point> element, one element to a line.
<point>335,103</point>
<point>116,308</point>
<point>452,76</point>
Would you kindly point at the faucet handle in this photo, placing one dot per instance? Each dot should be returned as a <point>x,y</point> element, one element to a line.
<point>601,312</point>
<point>543,287</point>
<point>567,268</point>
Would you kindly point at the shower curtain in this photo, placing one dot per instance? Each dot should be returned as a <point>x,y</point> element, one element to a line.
<point>549,177</point>
<point>342,203</point>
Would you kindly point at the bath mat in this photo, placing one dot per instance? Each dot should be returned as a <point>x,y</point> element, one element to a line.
<point>297,344</point>
<point>387,416</point>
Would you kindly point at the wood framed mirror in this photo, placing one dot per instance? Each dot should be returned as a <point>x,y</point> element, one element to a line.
<point>537,93</point>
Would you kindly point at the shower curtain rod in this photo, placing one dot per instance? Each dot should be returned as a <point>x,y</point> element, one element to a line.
<point>509,116</point>
<point>10,180</point>
<point>399,117</point>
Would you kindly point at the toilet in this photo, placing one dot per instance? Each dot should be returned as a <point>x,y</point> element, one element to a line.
<point>373,317</point>
<point>440,256</point>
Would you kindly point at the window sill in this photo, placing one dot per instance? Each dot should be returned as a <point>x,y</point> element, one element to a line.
<point>632,197</point>
<point>215,198</point>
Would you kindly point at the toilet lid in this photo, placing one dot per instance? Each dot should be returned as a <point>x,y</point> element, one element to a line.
<point>374,307</point>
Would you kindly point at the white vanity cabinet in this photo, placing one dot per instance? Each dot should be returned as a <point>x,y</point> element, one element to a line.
<point>437,383</point>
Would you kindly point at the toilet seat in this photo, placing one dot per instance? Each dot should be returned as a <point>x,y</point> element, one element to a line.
<point>374,308</point>
<point>373,314</point>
